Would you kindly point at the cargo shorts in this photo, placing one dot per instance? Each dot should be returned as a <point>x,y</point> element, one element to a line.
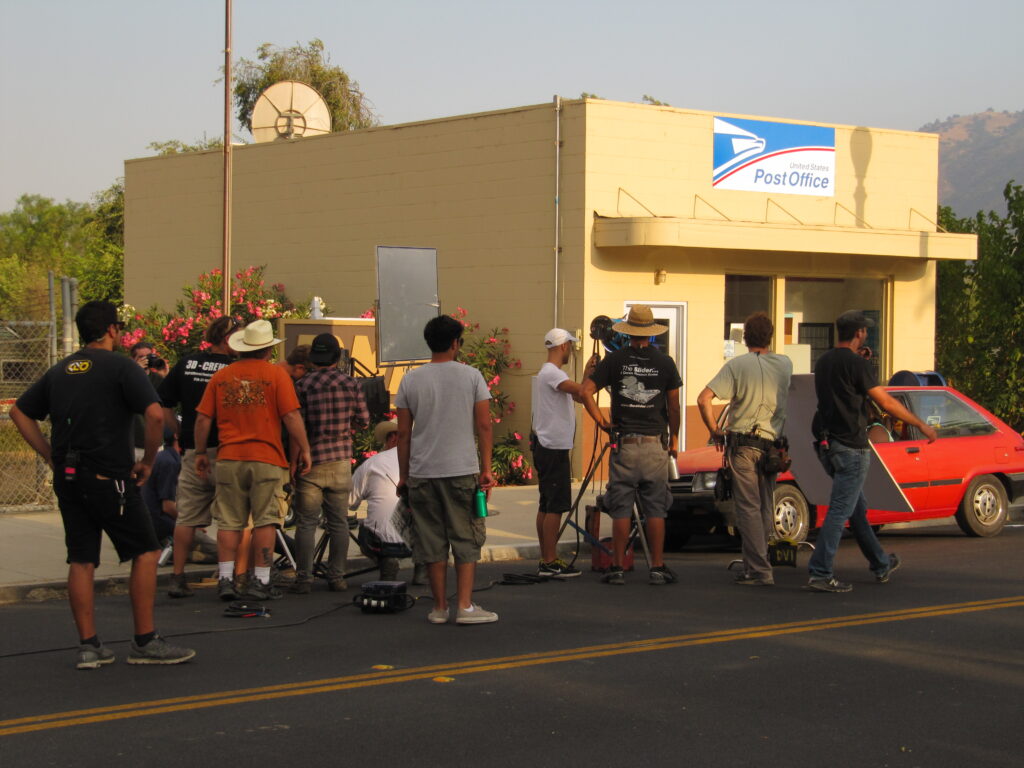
<point>443,510</point>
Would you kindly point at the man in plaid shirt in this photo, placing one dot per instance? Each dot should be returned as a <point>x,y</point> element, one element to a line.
<point>333,407</point>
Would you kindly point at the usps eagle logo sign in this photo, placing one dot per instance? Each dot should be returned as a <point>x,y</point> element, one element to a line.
<point>761,156</point>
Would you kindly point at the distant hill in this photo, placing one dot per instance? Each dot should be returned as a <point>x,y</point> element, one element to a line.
<point>978,154</point>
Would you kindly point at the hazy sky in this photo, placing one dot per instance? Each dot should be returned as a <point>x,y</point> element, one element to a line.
<point>86,85</point>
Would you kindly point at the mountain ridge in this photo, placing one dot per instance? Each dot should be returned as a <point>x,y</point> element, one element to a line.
<point>978,154</point>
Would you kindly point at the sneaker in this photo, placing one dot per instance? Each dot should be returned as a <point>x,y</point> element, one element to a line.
<point>337,585</point>
<point>257,590</point>
<point>438,616</point>
<point>883,575</point>
<point>159,651</point>
<point>661,574</point>
<point>91,657</point>
<point>557,569</point>
<point>751,580</point>
<point>474,615</point>
<point>179,586</point>
<point>830,584</point>
<point>226,589</point>
<point>301,587</point>
<point>615,576</point>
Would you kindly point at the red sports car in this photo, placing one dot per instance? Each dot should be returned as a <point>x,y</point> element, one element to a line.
<point>974,471</point>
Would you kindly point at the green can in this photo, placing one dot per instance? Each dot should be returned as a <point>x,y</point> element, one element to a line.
<point>480,503</point>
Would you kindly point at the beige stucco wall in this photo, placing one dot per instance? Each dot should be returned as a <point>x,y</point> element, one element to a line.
<point>481,189</point>
<point>649,173</point>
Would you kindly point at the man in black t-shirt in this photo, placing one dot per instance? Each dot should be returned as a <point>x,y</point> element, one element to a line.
<point>843,382</point>
<point>645,387</point>
<point>90,398</point>
<point>184,387</point>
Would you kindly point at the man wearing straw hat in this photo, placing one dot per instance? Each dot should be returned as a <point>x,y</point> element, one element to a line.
<point>248,400</point>
<point>644,384</point>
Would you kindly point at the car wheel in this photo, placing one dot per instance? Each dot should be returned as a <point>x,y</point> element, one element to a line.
<point>792,518</point>
<point>983,509</point>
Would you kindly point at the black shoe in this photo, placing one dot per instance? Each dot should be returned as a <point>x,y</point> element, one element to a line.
<point>661,574</point>
<point>557,569</point>
<point>178,586</point>
<point>257,590</point>
<point>226,590</point>
<point>615,576</point>
<point>750,580</point>
<point>883,575</point>
<point>830,584</point>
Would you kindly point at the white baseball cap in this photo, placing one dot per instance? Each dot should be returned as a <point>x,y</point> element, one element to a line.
<point>557,336</point>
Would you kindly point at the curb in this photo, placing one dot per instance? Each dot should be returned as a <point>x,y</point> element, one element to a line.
<point>118,585</point>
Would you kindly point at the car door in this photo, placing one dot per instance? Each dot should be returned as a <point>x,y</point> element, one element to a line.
<point>966,439</point>
<point>907,462</point>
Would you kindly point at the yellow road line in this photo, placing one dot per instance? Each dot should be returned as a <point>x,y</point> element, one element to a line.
<point>389,677</point>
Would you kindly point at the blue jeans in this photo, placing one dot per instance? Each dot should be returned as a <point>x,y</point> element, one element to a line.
<point>848,468</point>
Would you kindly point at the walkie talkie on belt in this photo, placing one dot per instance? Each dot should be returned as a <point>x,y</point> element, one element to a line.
<point>70,466</point>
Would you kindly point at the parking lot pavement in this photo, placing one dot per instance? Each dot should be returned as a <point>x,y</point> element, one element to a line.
<point>922,671</point>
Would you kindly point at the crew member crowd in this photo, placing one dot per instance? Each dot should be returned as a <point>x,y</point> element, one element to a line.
<point>240,432</point>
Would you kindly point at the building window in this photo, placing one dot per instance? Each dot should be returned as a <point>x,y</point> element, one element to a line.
<point>812,305</point>
<point>745,295</point>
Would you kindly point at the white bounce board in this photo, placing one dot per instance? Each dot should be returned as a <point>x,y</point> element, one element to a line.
<point>880,489</point>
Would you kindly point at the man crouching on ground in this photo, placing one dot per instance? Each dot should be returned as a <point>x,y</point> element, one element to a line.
<point>440,406</point>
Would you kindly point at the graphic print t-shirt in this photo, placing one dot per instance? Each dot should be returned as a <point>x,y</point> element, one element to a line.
<point>185,384</point>
<point>247,400</point>
<point>638,378</point>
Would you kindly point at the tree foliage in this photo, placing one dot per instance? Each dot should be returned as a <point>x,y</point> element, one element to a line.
<point>349,107</point>
<point>80,240</point>
<point>177,147</point>
<point>980,310</point>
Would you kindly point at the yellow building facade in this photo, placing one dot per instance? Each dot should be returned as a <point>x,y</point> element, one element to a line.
<point>553,214</point>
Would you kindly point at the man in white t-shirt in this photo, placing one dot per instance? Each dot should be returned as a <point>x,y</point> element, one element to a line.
<point>554,429</point>
<point>376,483</point>
<point>441,405</point>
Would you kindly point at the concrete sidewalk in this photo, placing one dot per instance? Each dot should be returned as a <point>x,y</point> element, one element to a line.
<point>33,567</point>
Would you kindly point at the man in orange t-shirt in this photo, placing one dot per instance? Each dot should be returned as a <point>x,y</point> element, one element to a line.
<point>249,400</point>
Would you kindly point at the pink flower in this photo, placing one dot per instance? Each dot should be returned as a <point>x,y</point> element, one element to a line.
<point>368,454</point>
<point>497,421</point>
<point>517,436</point>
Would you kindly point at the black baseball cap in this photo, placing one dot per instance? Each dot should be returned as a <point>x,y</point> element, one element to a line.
<point>854,318</point>
<point>325,349</point>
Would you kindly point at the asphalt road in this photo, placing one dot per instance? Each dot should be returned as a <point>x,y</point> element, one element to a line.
<point>927,670</point>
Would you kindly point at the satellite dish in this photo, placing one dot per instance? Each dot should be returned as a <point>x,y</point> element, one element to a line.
<point>289,110</point>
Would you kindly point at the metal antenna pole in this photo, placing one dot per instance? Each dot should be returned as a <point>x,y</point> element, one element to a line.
<point>227,157</point>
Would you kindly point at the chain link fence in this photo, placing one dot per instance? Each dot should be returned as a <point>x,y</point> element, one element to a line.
<point>26,352</point>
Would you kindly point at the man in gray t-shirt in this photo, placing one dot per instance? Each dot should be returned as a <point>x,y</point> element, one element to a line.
<point>440,407</point>
<point>756,385</point>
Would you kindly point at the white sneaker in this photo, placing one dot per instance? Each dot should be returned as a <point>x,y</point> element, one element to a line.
<point>475,615</point>
<point>438,616</point>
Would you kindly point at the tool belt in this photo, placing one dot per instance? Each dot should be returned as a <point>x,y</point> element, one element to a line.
<point>739,438</point>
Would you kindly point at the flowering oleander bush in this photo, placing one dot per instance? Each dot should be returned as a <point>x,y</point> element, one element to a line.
<point>491,353</point>
<point>508,463</point>
<point>181,332</point>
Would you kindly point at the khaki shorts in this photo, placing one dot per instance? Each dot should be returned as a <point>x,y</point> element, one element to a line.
<point>248,488</point>
<point>442,508</point>
<point>195,495</point>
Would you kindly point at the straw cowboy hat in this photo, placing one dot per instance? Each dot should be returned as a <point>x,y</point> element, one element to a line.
<point>640,322</point>
<point>259,334</point>
<point>382,430</point>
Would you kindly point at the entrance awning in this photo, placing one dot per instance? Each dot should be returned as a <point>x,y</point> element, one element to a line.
<point>671,232</point>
